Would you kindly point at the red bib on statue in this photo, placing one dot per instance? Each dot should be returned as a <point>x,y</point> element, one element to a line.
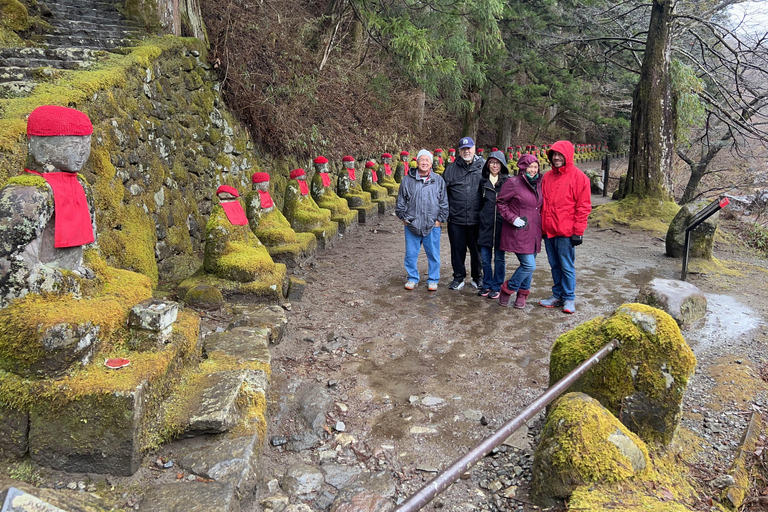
<point>303,187</point>
<point>266,199</point>
<point>326,179</point>
<point>235,213</point>
<point>351,174</point>
<point>72,222</point>
<point>387,170</point>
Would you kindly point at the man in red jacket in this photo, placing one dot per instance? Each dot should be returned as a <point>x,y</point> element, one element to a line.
<point>567,203</point>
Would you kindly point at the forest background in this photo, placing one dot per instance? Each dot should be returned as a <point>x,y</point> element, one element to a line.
<point>679,85</point>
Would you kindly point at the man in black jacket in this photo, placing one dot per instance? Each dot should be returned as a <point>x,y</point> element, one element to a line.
<point>462,181</point>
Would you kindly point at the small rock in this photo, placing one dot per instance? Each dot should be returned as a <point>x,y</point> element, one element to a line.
<point>422,430</point>
<point>276,503</point>
<point>430,401</point>
<point>413,399</point>
<point>483,420</point>
<point>72,486</point>
<point>278,440</point>
<point>345,439</point>
<point>473,415</point>
<point>722,481</point>
<point>342,407</point>
<point>168,464</point>
<point>340,426</point>
<point>273,485</point>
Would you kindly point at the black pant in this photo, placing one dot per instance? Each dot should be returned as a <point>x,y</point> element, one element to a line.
<point>461,239</point>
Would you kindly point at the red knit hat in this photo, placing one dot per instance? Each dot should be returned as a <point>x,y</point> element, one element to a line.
<point>227,188</point>
<point>479,150</point>
<point>348,159</point>
<point>370,163</point>
<point>509,148</point>
<point>404,153</point>
<point>451,150</point>
<point>320,160</point>
<point>494,149</point>
<point>260,177</point>
<point>52,120</point>
<point>438,150</point>
<point>386,155</point>
<point>297,172</point>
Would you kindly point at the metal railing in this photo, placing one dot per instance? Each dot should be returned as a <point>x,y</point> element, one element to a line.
<point>694,222</point>
<point>452,473</point>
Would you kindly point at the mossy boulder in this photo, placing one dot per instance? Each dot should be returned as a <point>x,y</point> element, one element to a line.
<point>634,212</point>
<point>14,15</point>
<point>326,197</point>
<point>583,443</point>
<point>204,296</point>
<point>387,179</point>
<point>379,195</point>
<point>350,190</point>
<point>306,216</point>
<point>701,239</point>
<point>643,381</point>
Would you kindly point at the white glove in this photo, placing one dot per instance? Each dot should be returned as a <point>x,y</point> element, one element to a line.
<point>519,223</point>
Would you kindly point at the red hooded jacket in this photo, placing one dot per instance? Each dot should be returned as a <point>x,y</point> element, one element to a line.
<point>567,196</point>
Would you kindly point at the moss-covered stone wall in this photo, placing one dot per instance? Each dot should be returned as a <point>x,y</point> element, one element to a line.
<point>163,141</point>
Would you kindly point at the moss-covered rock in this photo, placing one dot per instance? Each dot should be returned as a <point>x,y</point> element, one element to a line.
<point>643,381</point>
<point>204,296</point>
<point>701,239</point>
<point>14,15</point>
<point>583,443</point>
<point>379,194</point>
<point>648,214</point>
<point>387,179</point>
<point>305,216</point>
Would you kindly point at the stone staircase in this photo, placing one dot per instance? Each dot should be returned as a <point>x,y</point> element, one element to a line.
<point>82,31</point>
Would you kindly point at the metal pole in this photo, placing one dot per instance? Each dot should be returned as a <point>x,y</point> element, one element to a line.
<point>449,475</point>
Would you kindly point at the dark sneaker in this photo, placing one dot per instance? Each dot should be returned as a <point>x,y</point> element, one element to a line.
<point>569,306</point>
<point>476,283</point>
<point>552,302</point>
<point>493,295</point>
<point>456,284</point>
<point>484,292</point>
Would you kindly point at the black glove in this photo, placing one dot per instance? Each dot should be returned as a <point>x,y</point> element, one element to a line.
<point>576,240</point>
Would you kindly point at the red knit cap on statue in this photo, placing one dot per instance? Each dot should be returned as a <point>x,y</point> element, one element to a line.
<point>260,177</point>
<point>438,150</point>
<point>451,150</point>
<point>348,159</point>
<point>227,188</point>
<point>404,153</point>
<point>370,163</point>
<point>320,160</point>
<point>494,149</point>
<point>386,155</point>
<point>52,121</point>
<point>297,172</point>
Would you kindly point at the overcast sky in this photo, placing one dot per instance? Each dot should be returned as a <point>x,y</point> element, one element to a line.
<point>754,14</point>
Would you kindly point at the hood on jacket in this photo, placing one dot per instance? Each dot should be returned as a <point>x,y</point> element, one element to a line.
<point>524,161</point>
<point>498,155</point>
<point>563,147</point>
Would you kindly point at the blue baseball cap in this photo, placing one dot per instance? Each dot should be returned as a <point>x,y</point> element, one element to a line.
<point>466,142</point>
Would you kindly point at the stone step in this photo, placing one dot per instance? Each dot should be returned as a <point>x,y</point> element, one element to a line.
<point>88,42</point>
<point>66,12</point>
<point>49,54</point>
<point>43,63</point>
<point>16,89</point>
<point>92,31</point>
<point>83,4</point>
<point>93,28</point>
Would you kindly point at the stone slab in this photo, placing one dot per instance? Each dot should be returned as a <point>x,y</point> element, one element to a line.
<point>191,497</point>
<point>228,459</point>
<point>386,204</point>
<point>15,500</point>
<point>366,214</point>
<point>217,410</point>
<point>153,315</point>
<point>270,317</point>
<point>244,343</point>
<point>296,287</point>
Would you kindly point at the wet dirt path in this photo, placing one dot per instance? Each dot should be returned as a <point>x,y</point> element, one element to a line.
<point>381,349</point>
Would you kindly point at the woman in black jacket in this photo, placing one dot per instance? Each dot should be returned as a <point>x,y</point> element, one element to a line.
<point>494,173</point>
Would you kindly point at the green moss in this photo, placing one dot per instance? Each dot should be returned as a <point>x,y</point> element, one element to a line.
<point>29,180</point>
<point>14,15</point>
<point>635,367</point>
<point>204,295</point>
<point>646,214</point>
<point>21,323</point>
<point>130,243</point>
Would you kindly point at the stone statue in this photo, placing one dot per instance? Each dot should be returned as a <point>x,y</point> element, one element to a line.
<point>386,176</point>
<point>349,188</point>
<point>232,251</point>
<point>304,214</point>
<point>451,155</point>
<point>379,194</point>
<point>402,166</point>
<point>322,190</point>
<point>438,164</point>
<point>272,228</point>
<point>47,215</point>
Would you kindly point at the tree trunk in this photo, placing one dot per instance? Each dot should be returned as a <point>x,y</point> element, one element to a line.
<point>652,143</point>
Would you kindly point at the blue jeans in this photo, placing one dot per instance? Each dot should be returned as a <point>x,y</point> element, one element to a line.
<point>431,243</point>
<point>493,275</point>
<point>561,255</point>
<point>521,279</point>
